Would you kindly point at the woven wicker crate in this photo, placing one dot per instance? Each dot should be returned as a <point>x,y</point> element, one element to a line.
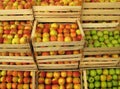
<point>56,58</point>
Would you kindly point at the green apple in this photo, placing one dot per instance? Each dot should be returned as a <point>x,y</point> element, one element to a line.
<point>117,71</point>
<point>97,84</point>
<point>97,44</point>
<point>115,77</point>
<point>105,37</point>
<point>105,32</point>
<point>116,45</point>
<point>78,32</point>
<point>87,33</point>
<point>103,77</point>
<point>93,73</point>
<point>88,37</point>
<point>97,77</point>
<point>3,73</point>
<point>103,44</point>
<point>107,41</point>
<point>93,32</point>
<point>111,71</point>
<point>105,71</point>
<point>110,33</point>
<point>114,42</point>
<point>116,32</point>
<point>115,83</point>
<point>91,85</point>
<point>109,84</point>
<point>100,33</point>
<point>99,71</point>
<point>91,79</point>
<point>111,38</point>
<point>94,37</point>
<point>101,39</point>
<point>116,37</point>
<point>119,40</point>
<point>103,84</point>
<point>109,45</point>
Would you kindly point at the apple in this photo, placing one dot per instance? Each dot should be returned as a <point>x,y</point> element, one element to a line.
<point>45,34</point>
<point>55,86</point>
<point>48,81</point>
<point>26,86</point>
<point>26,80</point>
<point>54,81</point>
<point>14,85</point>
<point>41,80</point>
<point>20,73</point>
<point>15,73</point>
<point>61,81</point>
<point>9,85</point>
<point>63,74</point>
<point>42,74</point>
<point>70,86</point>
<point>53,32</point>
<point>15,79</point>
<point>69,73</point>
<point>48,87</point>
<point>15,40</point>
<point>3,79</point>
<point>20,80</point>
<point>26,73</point>
<point>54,25</point>
<point>3,85</point>
<point>69,80</point>
<point>3,72</point>
<point>20,86</point>
<point>41,86</point>
<point>76,74</point>
<point>78,32</point>
<point>9,79</point>
<point>9,73</point>
<point>56,74</point>
<point>77,86</point>
<point>76,80</point>
<point>62,87</point>
<point>49,74</point>
<point>67,39</point>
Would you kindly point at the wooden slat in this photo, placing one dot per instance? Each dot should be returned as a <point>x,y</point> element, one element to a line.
<point>99,18</point>
<point>16,12</point>
<point>3,18</point>
<point>101,12</point>
<point>94,25</point>
<point>59,56</point>
<point>102,5</point>
<point>56,8</point>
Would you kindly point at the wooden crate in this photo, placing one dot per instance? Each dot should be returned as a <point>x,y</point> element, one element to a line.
<point>81,76</point>
<point>67,13</point>
<point>84,73</point>
<point>9,74</point>
<point>18,14</point>
<point>17,48</point>
<point>56,46</point>
<point>5,59</point>
<point>101,11</point>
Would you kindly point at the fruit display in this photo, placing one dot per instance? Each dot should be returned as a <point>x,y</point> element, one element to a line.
<point>16,4</point>
<point>15,32</point>
<point>103,78</point>
<point>58,2</point>
<point>49,34</point>
<point>16,79</point>
<point>104,38</point>
<point>59,80</point>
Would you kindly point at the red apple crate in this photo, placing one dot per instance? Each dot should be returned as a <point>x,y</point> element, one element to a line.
<point>67,13</point>
<point>13,62</point>
<point>8,75</point>
<point>16,14</point>
<point>52,71</point>
<point>78,45</point>
<point>84,74</point>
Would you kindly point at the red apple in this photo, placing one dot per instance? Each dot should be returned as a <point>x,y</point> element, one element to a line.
<point>56,86</point>
<point>26,74</point>
<point>76,74</point>
<point>9,79</point>
<point>54,81</point>
<point>15,73</point>
<point>49,74</point>
<point>15,79</point>
<point>56,74</point>
<point>69,80</point>
<point>26,80</point>
<point>20,80</point>
<point>41,86</point>
<point>26,86</point>
<point>20,86</point>
<point>14,85</point>
<point>20,73</point>
<point>76,80</point>
<point>41,80</point>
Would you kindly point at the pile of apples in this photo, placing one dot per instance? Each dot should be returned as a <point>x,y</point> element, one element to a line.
<point>15,32</point>
<point>64,32</point>
<point>15,80</point>
<point>104,38</point>
<point>15,54</point>
<point>58,2</point>
<point>59,80</point>
<point>16,4</point>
